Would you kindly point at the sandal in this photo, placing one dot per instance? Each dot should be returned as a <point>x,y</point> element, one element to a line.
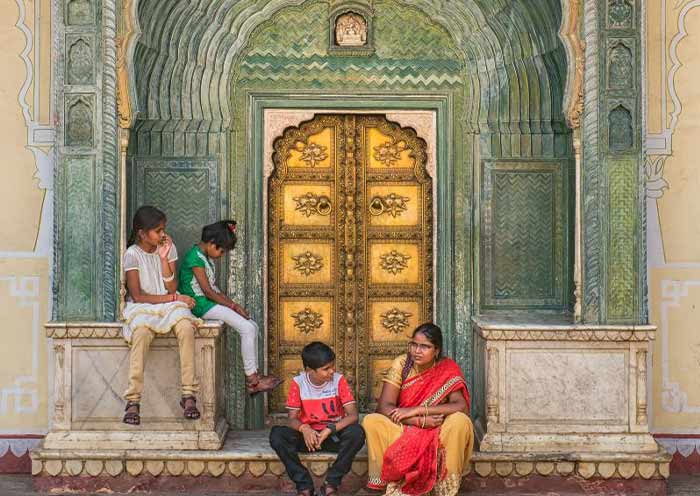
<point>328,489</point>
<point>132,418</point>
<point>190,412</point>
<point>261,384</point>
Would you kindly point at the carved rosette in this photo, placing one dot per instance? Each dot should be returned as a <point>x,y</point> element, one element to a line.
<point>391,204</point>
<point>389,152</point>
<point>307,321</point>
<point>395,320</point>
<point>312,153</point>
<point>308,263</point>
<point>311,204</point>
<point>394,262</point>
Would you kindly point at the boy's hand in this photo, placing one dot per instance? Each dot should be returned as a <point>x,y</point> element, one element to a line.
<point>310,437</point>
<point>240,310</point>
<point>322,436</point>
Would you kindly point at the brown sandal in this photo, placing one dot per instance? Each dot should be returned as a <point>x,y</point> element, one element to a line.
<point>190,412</point>
<point>132,418</point>
<point>262,384</point>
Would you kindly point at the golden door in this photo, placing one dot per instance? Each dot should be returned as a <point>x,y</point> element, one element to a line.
<point>349,247</point>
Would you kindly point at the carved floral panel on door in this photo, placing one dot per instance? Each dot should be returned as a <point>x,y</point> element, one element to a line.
<point>349,246</point>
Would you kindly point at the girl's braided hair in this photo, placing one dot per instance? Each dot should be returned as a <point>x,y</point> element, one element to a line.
<point>433,334</point>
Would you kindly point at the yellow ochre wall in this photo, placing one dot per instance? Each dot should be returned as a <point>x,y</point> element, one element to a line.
<point>25,215</point>
<point>673,207</point>
<point>673,173</point>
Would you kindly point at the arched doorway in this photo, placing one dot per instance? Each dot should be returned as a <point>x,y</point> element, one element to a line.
<point>497,71</point>
<point>350,246</point>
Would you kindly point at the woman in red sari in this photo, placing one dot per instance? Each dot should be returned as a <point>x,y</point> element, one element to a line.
<point>421,437</point>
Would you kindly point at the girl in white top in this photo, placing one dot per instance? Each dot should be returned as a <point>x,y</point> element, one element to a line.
<point>153,306</point>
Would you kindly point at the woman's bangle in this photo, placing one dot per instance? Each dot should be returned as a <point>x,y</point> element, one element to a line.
<point>422,426</point>
<point>171,278</point>
<point>426,411</point>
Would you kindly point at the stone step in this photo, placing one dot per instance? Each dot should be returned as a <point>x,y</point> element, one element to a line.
<point>247,463</point>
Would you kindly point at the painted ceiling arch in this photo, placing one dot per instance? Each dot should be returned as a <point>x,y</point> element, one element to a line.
<point>511,50</point>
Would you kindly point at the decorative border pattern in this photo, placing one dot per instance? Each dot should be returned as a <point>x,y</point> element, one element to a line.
<point>573,334</point>
<point>655,467</point>
<point>80,330</point>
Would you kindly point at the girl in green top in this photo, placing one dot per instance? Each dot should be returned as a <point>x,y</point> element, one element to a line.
<point>198,280</point>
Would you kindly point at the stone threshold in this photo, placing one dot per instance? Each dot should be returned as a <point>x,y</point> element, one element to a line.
<point>246,462</point>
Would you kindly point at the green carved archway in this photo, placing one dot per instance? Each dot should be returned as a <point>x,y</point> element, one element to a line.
<point>498,69</point>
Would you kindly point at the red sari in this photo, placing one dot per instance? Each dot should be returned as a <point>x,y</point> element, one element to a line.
<point>416,457</point>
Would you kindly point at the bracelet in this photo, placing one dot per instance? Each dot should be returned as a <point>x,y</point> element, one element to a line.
<point>173,297</point>
<point>168,279</point>
<point>422,426</point>
<point>426,410</point>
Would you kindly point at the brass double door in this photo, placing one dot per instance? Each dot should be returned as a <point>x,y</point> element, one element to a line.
<point>350,258</point>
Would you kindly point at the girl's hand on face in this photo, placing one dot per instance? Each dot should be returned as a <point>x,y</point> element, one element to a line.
<point>164,247</point>
<point>187,300</point>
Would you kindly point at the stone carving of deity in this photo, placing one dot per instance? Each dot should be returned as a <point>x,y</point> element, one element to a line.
<point>350,30</point>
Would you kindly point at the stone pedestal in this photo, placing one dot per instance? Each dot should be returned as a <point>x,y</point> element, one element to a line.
<point>90,376</point>
<point>565,388</point>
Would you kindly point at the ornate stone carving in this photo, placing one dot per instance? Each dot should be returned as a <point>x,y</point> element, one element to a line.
<point>622,268</point>
<point>642,387</point>
<point>80,12</point>
<point>307,321</point>
<point>395,320</point>
<point>570,333</point>
<point>125,41</point>
<point>573,95</point>
<point>389,153</point>
<point>620,67</point>
<point>103,330</point>
<point>492,388</point>
<point>59,417</point>
<point>312,153</point>
<point>218,464</point>
<point>312,204</point>
<point>308,263</point>
<point>79,122</point>
<point>620,14</point>
<point>350,30</point>
<point>79,67</point>
<point>621,130</point>
<point>394,262</point>
<point>391,204</point>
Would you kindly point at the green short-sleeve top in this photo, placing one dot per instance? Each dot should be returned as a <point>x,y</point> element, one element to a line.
<point>188,284</point>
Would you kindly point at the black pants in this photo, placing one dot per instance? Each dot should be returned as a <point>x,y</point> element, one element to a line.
<point>288,443</point>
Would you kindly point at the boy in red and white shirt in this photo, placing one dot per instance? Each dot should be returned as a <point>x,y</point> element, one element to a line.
<point>322,416</point>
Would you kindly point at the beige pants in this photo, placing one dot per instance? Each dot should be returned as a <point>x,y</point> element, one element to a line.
<point>140,343</point>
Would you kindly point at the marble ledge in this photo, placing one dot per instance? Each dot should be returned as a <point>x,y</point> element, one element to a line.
<point>557,329</point>
<point>113,330</point>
